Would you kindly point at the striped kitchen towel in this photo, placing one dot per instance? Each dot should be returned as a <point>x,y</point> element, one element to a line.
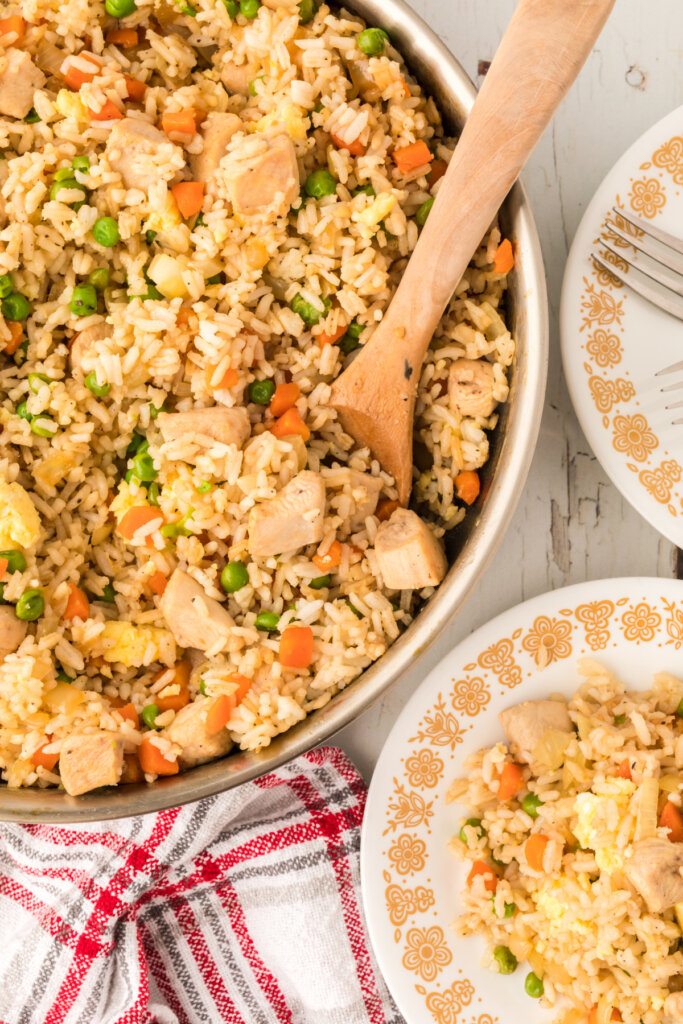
<point>244,907</point>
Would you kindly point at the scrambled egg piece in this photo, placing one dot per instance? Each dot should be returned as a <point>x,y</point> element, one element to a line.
<point>289,117</point>
<point>377,210</point>
<point>548,901</point>
<point>168,223</point>
<point>19,520</point>
<point>69,105</point>
<point>597,823</point>
<point>126,500</point>
<point>136,645</point>
<point>53,468</point>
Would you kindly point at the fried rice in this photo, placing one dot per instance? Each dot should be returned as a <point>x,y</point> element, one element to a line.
<point>134,295</point>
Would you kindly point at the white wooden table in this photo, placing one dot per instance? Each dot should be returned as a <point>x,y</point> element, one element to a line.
<point>571,523</point>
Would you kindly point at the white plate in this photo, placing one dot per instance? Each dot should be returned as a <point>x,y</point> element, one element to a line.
<point>613,342</point>
<point>411,884</point>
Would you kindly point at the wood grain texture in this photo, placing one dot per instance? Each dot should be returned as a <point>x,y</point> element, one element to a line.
<point>571,523</point>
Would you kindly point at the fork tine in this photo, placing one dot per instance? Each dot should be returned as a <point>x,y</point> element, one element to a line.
<point>672,387</point>
<point>659,272</point>
<point>653,292</point>
<point>651,229</point>
<point>674,405</point>
<point>674,368</point>
<point>655,249</point>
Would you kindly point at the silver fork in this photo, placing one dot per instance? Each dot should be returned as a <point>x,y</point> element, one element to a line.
<point>654,269</point>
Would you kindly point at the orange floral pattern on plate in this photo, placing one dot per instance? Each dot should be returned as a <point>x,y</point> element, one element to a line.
<point>424,769</point>
<point>670,158</point>
<point>426,952</point>
<point>674,623</point>
<point>603,277</point>
<point>633,437</point>
<point>608,393</point>
<point>660,481</point>
<point>605,348</point>
<point>548,640</point>
<point>445,1006</point>
<point>410,810</point>
<point>408,854</point>
<point>499,659</point>
<point>600,308</point>
<point>595,620</point>
<point>647,197</point>
<point>470,695</point>
<point>439,727</point>
<point>403,903</point>
<point>640,622</point>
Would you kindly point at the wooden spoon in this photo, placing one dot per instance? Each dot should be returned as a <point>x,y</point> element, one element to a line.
<point>540,55</point>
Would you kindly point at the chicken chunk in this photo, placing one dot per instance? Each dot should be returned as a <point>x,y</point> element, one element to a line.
<point>217,130</point>
<point>366,492</point>
<point>90,760</point>
<point>195,619</point>
<point>236,77</point>
<point>655,870</point>
<point>290,520</point>
<point>470,388</point>
<point>137,150</point>
<point>12,631</point>
<point>188,730</point>
<point>19,79</point>
<point>85,345</point>
<point>524,725</point>
<point>204,427</point>
<point>263,176</point>
<point>410,556</point>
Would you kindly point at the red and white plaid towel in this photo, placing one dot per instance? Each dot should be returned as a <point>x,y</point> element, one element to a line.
<point>240,908</point>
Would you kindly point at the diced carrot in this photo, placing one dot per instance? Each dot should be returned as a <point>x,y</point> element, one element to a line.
<point>511,780</point>
<point>242,687</point>
<point>230,379</point>
<point>189,196</point>
<point>183,122</point>
<point>386,508</point>
<point>296,647</point>
<point>593,1015</point>
<point>78,606</point>
<point>129,713</point>
<point>406,87</point>
<point>152,761</point>
<point>107,112</point>
<point>181,678</point>
<point>439,168</point>
<point>624,769</point>
<point>157,583</point>
<point>123,37</point>
<point>534,850</point>
<point>116,702</point>
<point>135,89</point>
<point>3,567</point>
<point>480,867</point>
<point>182,318</point>
<point>219,714</point>
<point>329,339</point>
<point>14,25</point>
<point>16,332</point>
<point>75,77</point>
<point>467,486</point>
<point>331,559</point>
<point>410,157</point>
<point>136,517</point>
<point>42,760</point>
<point>672,819</point>
<point>504,259</point>
<point>355,148</point>
<point>284,398</point>
<point>290,423</point>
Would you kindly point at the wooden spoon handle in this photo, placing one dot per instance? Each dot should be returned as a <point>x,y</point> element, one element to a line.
<point>545,45</point>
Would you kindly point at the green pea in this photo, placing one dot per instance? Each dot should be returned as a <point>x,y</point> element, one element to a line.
<point>64,174</point>
<point>364,190</point>
<point>234,576</point>
<point>423,212</point>
<point>307,11</point>
<point>202,688</point>
<point>143,467</point>
<point>308,313</point>
<point>120,8</point>
<point>153,494</point>
<point>320,183</point>
<point>533,985</point>
<point>372,41</point>
<point>99,278</point>
<point>250,8</point>
<point>32,116</point>
<point>71,184</point>
<point>530,805</point>
<point>30,605</point>
<point>320,582</point>
<point>252,84</point>
<point>267,621</point>
<point>232,7</point>
<point>355,329</point>
<point>261,391</point>
<point>15,307</point>
<point>359,615</point>
<point>6,285</point>
<point>83,300</point>
<point>36,381</point>
<point>108,593</point>
<point>621,719</point>
<point>204,487</point>
<point>23,413</point>
<point>63,677</point>
<point>472,823</point>
<point>149,715</point>
<point>81,163</point>
<point>105,231</point>
<point>15,560</point>
<point>216,279</point>
<point>506,960</point>
<point>150,236</point>
<point>43,427</point>
<point>508,908</point>
<point>138,443</point>
<point>154,411</point>
<point>173,530</point>
<point>349,343</point>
